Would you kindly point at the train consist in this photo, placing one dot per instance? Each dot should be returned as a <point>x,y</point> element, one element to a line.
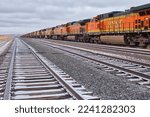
<point>129,27</point>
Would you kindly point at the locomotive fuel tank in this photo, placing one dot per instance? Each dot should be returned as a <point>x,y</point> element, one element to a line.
<point>111,39</point>
<point>71,38</point>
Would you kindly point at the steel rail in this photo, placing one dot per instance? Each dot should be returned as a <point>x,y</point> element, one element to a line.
<point>7,92</point>
<point>66,46</point>
<point>125,49</point>
<point>108,64</point>
<point>46,81</point>
<point>67,86</point>
<point>138,51</point>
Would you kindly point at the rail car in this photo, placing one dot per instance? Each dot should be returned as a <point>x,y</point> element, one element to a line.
<point>129,27</point>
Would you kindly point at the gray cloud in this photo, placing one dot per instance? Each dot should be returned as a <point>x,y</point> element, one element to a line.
<point>22,16</point>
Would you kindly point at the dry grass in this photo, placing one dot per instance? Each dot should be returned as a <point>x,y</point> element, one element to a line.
<point>3,37</point>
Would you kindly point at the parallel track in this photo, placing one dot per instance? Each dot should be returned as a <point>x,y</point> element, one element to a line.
<point>1,43</point>
<point>30,76</point>
<point>138,51</point>
<point>126,49</point>
<point>133,70</point>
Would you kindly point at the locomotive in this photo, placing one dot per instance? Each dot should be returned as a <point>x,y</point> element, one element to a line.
<point>130,27</point>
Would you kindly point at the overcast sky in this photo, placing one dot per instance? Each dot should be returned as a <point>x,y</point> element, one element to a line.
<point>23,16</point>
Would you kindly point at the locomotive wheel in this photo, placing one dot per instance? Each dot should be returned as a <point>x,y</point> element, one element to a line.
<point>142,42</point>
<point>148,46</point>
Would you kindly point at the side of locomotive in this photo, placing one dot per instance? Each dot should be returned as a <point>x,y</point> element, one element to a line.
<point>130,27</point>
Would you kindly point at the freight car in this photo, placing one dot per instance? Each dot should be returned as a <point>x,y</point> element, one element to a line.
<point>130,27</point>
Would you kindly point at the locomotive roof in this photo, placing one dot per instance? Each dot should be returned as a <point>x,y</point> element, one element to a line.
<point>42,30</point>
<point>142,7</point>
<point>122,13</point>
<point>107,15</point>
<point>82,22</point>
<point>70,23</point>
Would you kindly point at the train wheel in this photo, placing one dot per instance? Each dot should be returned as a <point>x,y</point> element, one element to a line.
<point>128,40</point>
<point>148,46</point>
<point>142,42</point>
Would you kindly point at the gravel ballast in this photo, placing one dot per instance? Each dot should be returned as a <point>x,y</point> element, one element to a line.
<point>105,85</point>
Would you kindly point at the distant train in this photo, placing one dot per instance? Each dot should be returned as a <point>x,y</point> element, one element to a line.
<point>130,27</point>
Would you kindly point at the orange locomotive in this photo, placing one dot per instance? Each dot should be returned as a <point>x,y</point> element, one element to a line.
<point>130,27</point>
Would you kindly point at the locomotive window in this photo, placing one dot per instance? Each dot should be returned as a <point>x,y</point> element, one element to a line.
<point>139,21</point>
<point>110,15</point>
<point>142,23</point>
<point>149,22</point>
<point>139,26</point>
<point>136,21</point>
<point>148,12</point>
<point>91,20</point>
<point>142,13</point>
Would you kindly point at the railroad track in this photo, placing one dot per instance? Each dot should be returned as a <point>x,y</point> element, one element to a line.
<point>139,51</point>
<point>4,66</point>
<point>3,43</point>
<point>30,76</point>
<point>134,71</point>
<point>125,49</point>
<point>4,47</point>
